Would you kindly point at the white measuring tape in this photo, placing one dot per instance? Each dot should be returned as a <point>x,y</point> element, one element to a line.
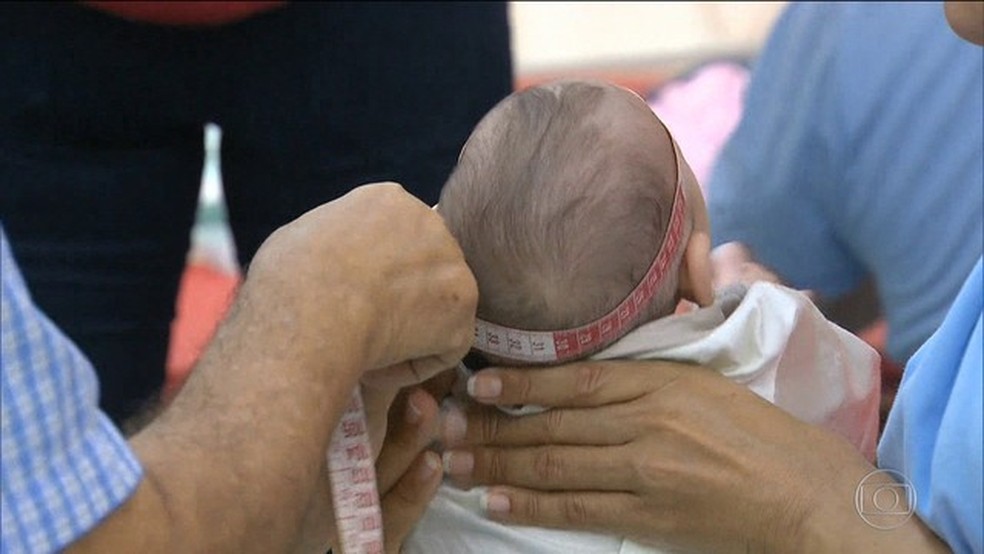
<point>354,494</point>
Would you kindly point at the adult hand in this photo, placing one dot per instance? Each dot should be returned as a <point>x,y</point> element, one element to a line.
<point>733,263</point>
<point>666,454</point>
<point>384,264</point>
<point>367,281</point>
<point>407,474</point>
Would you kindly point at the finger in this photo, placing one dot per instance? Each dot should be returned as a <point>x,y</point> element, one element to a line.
<point>377,403</point>
<point>482,425</point>
<point>426,368</point>
<point>544,468</point>
<point>583,384</point>
<point>752,272</point>
<point>727,261</point>
<point>408,498</point>
<point>407,437</point>
<point>399,375</point>
<point>606,512</point>
<point>412,372</point>
<point>441,384</point>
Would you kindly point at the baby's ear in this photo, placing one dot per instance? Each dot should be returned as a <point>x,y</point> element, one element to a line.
<point>696,274</point>
<point>695,270</point>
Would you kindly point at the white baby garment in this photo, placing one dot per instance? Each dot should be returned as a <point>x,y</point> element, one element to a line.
<point>771,339</point>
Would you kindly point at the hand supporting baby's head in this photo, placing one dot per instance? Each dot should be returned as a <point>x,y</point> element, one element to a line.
<point>560,200</point>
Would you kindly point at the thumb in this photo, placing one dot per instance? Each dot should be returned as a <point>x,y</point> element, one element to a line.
<point>405,374</point>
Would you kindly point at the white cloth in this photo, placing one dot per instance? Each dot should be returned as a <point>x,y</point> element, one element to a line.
<point>771,339</point>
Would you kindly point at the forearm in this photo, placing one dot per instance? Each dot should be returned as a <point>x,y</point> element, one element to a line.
<point>856,536</point>
<point>839,502</point>
<point>233,462</point>
<point>848,517</point>
<point>371,281</point>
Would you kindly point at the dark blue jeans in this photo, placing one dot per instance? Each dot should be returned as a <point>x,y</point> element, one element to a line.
<point>101,143</point>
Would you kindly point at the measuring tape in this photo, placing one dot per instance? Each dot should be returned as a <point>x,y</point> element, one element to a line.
<point>358,515</point>
<point>573,344</point>
<point>354,494</point>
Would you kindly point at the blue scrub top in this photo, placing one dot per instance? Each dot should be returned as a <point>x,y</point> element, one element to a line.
<point>859,154</point>
<point>934,435</point>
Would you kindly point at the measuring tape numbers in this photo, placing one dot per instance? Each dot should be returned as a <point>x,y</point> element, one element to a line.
<point>355,496</point>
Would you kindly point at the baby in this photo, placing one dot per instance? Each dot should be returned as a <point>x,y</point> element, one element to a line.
<point>573,206</point>
<point>584,228</point>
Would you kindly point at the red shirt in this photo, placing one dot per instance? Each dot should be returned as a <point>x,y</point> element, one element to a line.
<point>184,13</point>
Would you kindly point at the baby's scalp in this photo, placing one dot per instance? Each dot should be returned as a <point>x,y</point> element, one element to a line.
<point>560,201</point>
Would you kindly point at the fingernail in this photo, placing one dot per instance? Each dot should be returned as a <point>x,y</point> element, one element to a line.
<point>431,464</point>
<point>486,387</point>
<point>458,463</point>
<point>414,415</point>
<point>495,503</point>
<point>454,424</point>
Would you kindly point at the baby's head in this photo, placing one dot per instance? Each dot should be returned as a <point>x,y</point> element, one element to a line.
<point>562,201</point>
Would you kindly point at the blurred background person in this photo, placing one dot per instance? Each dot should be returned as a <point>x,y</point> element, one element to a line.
<point>102,109</point>
<point>861,141</point>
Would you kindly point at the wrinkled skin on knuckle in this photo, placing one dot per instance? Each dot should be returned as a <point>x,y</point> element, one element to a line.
<point>495,466</point>
<point>523,388</point>
<point>576,511</point>
<point>554,424</point>
<point>489,427</point>
<point>531,507</point>
<point>589,379</point>
<point>548,467</point>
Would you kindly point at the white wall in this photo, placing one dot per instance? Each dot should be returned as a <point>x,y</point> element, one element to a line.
<point>548,36</point>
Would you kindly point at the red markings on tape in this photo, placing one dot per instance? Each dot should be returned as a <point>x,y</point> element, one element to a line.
<point>353,483</point>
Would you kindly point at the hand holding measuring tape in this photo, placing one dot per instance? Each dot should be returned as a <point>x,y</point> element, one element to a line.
<point>411,308</point>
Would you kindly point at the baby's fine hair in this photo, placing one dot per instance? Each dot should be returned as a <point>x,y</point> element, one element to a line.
<point>560,200</point>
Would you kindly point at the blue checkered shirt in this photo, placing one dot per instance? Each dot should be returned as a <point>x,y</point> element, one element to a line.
<point>65,466</point>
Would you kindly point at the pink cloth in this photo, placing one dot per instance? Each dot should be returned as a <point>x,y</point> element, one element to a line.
<point>702,112</point>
